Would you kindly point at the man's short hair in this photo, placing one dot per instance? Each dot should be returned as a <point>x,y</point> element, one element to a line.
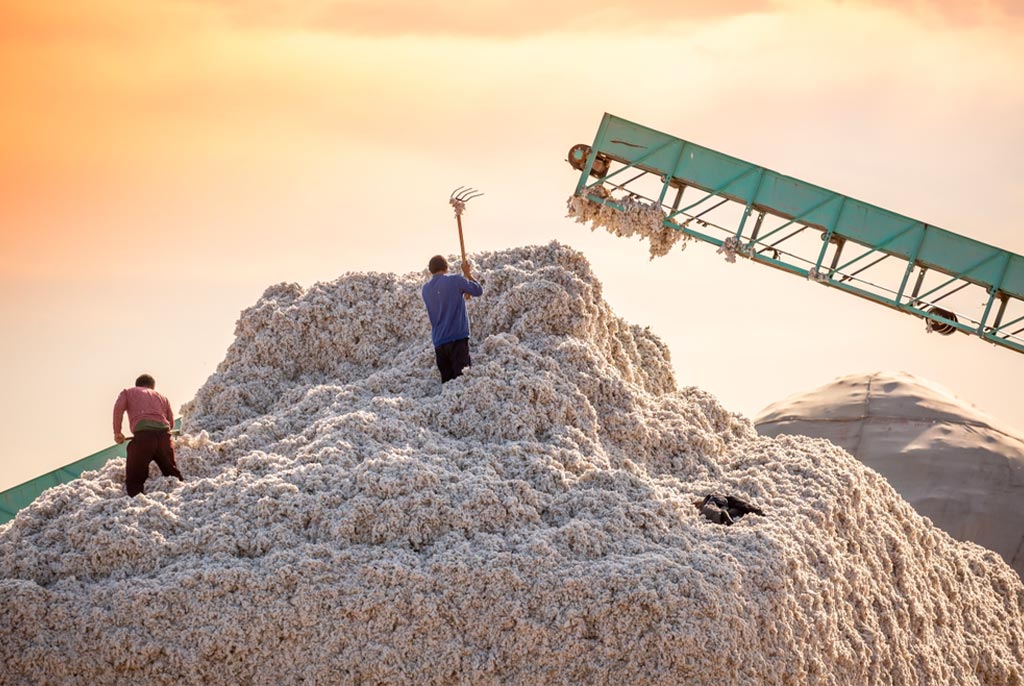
<point>438,265</point>
<point>146,381</point>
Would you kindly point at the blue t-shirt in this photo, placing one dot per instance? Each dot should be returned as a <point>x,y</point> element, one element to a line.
<point>447,308</point>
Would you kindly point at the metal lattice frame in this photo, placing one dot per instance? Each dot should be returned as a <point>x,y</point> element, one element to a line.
<point>953,282</point>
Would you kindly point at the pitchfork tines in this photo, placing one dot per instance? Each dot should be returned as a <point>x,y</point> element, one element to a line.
<point>460,196</point>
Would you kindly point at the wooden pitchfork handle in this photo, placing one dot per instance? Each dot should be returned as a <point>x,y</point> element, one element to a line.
<point>458,199</point>
<point>462,243</point>
<point>462,247</point>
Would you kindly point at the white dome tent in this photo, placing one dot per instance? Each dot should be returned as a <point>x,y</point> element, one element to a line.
<point>954,463</point>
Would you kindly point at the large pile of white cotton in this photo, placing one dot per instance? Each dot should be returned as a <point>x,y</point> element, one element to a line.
<point>347,520</point>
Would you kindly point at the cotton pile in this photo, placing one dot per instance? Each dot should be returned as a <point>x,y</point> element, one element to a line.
<point>348,520</point>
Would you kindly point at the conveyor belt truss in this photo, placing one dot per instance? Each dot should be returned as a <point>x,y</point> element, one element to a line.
<point>953,282</point>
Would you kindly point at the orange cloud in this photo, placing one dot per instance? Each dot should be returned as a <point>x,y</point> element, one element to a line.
<point>958,12</point>
<point>175,108</point>
<point>487,18</point>
<point>23,22</point>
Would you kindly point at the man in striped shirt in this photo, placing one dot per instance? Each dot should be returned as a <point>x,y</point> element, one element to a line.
<point>150,419</point>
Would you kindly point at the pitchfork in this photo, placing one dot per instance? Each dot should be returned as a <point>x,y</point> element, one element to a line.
<point>458,199</point>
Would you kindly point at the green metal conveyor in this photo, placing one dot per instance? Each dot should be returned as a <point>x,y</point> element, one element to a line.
<point>14,499</point>
<point>955,283</point>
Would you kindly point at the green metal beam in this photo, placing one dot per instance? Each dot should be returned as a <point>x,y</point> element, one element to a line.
<point>923,246</point>
<point>21,496</point>
<point>787,197</point>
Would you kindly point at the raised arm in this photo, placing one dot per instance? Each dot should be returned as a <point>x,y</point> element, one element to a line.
<point>169,414</point>
<point>120,405</point>
<point>469,284</point>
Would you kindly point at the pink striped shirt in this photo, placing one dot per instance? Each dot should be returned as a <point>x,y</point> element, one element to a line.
<point>141,403</point>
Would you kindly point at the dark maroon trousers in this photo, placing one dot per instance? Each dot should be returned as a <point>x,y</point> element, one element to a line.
<point>146,447</point>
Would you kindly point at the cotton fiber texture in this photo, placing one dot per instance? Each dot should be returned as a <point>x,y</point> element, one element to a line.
<point>345,519</point>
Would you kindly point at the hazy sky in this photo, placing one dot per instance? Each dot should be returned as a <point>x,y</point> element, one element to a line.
<point>163,161</point>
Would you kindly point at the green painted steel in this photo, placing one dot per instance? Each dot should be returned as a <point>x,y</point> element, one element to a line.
<point>14,499</point>
<point>683,164</point>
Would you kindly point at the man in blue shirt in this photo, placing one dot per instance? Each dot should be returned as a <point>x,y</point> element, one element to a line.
<point>449,322</point>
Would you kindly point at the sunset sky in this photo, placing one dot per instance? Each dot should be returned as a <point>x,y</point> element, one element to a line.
<point>163,161</point>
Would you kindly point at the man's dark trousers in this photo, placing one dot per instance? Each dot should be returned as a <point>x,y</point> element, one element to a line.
<point>144,448</point>
<point>452,358</point>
